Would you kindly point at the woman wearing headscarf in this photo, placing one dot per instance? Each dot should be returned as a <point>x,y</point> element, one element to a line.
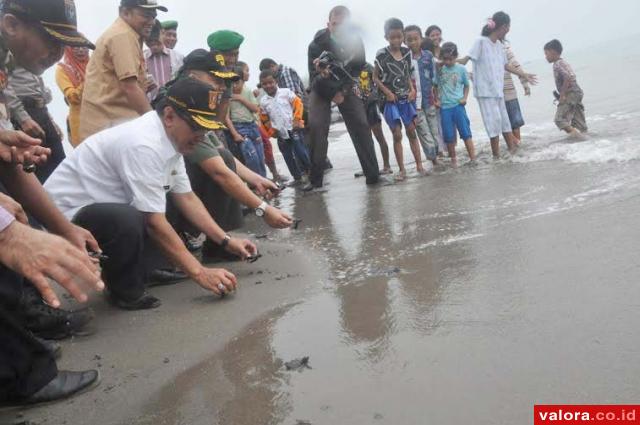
<point>70,75</point>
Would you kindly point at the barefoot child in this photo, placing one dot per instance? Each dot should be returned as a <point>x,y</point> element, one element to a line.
<point>392,75</point>
<point>489,65</point>
<point>570,115</point>
<point>453,89</point>
<point>425,76</point>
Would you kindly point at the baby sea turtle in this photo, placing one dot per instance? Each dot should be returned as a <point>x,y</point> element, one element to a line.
<point>298,364</point>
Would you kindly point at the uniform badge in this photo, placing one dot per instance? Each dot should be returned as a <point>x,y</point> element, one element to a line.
<point>220,60</point>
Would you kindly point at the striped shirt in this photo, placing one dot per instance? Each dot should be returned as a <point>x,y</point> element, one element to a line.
<point>5,219</point>
<point>160,67</point>
<point>510,92</point>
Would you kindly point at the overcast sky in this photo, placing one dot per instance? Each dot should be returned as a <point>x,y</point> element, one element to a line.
<point>282,29</point>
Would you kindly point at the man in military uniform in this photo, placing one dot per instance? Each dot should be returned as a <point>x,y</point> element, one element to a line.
<point>33,35</point>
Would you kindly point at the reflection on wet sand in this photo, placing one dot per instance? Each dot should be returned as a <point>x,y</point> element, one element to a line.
<point>236,386</point>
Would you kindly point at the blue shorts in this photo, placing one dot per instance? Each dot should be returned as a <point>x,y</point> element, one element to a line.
<point>402,112</point>
<point>515,114</point>
<point>452,119</point>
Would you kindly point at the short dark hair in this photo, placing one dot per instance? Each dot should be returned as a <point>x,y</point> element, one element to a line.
<point>267,63</point>
<point>266,74</point>
<point>393,24</point>
<point>239,68</point>
<point>449,49</point>
<point>413,28</point>
<point>554,45</point>
<point>339,11</point>
<point>501,19</point>
<point>427,44</point>
<point>431,29</point>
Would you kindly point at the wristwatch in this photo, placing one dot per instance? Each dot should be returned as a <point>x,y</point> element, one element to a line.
<point>262,209</point>
<point>225,241</point>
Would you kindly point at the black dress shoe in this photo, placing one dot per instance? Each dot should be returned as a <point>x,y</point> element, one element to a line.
<point>145,302</point>
<point>162,277</point>
<point>50,323</point>
<point>64,385</point>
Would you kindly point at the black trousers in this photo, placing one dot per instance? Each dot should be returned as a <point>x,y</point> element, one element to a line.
<point>25,364</point>
<point>355,118</point>
<point>223,208</point>
<point>121,233</point>
<point>52,139</point>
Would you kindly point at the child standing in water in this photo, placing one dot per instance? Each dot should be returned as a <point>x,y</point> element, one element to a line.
<point>489,65</point>
<point>570,116</point>
<point>453,89</point>
<point>392,75</point>
<point>425,80</point>
<point>511,94</point>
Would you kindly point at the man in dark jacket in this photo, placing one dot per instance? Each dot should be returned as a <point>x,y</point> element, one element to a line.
<point>333,84</point>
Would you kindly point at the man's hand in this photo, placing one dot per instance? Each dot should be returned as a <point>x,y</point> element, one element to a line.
<point>243,248</point>
<point>211,279</point>
<point>82,239</point>
<point>13,208</point>
<point>17,147</point>
<point>277,219</point>
<point>463,101</point>
<point>322,69</point>
<point>32,128</point>
<point>265,187</point>
<point>39,256</point>
<point>413,95</point>
<point>297,124</point>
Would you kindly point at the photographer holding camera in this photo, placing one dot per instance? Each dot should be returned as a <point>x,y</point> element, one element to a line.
<point>336,57</point>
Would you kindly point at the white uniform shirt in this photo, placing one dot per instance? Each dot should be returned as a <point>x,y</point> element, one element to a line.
<point>489,60</point>
<point>279,108</point>
<point>133,164</point>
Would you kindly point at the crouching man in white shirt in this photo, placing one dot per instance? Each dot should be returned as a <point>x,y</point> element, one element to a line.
<point>116,183</point>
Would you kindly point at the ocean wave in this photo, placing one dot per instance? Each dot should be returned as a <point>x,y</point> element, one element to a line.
<point>597,151</point>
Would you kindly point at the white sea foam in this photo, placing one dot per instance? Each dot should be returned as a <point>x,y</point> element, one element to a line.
<point>598,151</point>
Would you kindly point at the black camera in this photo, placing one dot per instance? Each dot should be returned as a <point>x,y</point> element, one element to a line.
<point>339,78</point>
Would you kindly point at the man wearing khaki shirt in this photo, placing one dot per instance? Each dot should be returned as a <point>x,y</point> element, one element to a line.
<point>116,82</point>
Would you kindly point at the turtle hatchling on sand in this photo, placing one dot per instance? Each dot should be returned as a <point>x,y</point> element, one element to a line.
<point>298,364</point>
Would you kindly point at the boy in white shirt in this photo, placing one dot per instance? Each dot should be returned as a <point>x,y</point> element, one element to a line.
<point>281,115</point>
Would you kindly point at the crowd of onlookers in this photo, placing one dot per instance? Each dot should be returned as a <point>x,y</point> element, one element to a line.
<point>171,151</point>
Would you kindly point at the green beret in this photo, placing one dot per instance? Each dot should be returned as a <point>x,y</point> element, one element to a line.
<point>225,40</point>
<point>170,25</point>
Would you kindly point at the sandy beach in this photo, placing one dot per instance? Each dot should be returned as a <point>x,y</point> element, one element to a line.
<point>465,297</point>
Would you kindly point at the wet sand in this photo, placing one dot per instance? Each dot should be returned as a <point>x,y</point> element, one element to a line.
<point>464,297</point>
